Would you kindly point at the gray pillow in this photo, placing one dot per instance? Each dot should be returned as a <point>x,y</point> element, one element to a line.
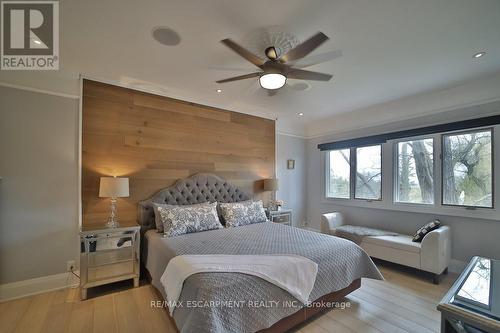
<point>242,213</point>
<point>180,220</point>
<point>158,222</point>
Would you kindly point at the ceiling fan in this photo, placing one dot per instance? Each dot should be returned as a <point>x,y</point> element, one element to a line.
<point>279,67</point>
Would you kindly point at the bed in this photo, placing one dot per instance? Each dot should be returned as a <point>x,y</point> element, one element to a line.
<point>341,264</point>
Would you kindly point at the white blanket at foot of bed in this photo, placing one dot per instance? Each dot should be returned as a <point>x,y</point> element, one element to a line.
<point>292,273</point>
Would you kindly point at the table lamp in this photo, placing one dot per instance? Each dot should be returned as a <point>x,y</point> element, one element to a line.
<point>113,187</point>
<point>271,184</point>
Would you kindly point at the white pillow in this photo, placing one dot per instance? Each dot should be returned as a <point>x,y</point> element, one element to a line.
<point>180,220</point>
<point>158,222</point>
<point>242,213</point>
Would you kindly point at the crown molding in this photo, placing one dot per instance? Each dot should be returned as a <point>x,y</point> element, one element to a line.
<point>291,135</point>
<point>41,91</point>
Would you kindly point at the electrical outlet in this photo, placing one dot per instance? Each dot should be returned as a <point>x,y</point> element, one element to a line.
<point>70,265</point>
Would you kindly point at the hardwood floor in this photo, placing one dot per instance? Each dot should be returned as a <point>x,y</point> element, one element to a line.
<point>402,303</point>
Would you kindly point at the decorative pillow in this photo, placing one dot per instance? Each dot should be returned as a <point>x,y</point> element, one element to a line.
<point>180,220</point>
<point>419,235</point>
<point>242,213</point>
<point>158,221</point>
<point>219,210</point>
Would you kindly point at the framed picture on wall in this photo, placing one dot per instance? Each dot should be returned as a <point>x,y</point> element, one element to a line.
<point>290,164</point>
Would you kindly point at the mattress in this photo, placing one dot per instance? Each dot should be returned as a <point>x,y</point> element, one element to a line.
<point>235,302</point>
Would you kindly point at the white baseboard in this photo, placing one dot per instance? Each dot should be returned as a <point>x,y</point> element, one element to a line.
<point>10,291</point>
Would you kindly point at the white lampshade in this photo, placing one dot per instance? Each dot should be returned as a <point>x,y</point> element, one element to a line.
<point>113,187</point>
<point>272,81</point>
<point>271,184</point>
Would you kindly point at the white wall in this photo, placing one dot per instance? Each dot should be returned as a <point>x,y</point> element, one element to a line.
<point>292,183</point>
<point>470,236</point>
<point>39,186</point>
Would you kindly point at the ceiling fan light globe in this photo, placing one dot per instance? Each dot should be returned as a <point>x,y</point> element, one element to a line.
<point>272,81</point>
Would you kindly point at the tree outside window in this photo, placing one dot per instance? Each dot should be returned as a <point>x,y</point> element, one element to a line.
<point>415,171</point>
<point>467,169</point>
<point>369,173</point>
<point>339,185</point>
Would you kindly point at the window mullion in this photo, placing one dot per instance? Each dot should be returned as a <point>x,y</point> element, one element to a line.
<point>353,173</point>
<point>438,170</point>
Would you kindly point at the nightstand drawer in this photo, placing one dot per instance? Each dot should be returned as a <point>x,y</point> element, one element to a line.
<point>101,258</point>
<point>281,218</point>
<point>108,241</point>
<point>109,271</point>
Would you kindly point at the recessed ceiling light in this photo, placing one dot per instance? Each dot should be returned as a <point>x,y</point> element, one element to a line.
<point>300,114</point>
<point>479,55</point>
<point>219,90</point>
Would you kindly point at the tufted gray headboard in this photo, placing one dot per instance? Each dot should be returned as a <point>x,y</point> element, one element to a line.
<point>198,188</point>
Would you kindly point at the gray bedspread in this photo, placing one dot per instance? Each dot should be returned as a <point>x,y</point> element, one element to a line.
<point>245,303</point>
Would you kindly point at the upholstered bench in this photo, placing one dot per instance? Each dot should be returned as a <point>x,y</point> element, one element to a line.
<point>431,255</point>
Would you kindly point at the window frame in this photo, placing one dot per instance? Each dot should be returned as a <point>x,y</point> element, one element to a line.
<point>354,168</point>
<point>387,202</point>
<point>475,130</point>
<point>395,166</point>
<point>327,175</point>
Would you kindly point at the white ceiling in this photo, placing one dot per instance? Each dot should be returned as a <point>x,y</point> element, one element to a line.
<point>391,49</point>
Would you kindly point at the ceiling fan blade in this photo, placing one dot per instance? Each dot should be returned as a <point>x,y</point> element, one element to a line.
<point>303,49</point>
<point>308,75</point>
<point>318,59</point>
<point>243,52</point>
<point>241,77</point>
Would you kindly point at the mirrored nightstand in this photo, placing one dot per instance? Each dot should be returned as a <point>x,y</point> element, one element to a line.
<point>108,255</point>
<point>283,216</point>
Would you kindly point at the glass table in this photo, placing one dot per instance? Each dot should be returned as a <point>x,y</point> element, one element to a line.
<point>472,305</point>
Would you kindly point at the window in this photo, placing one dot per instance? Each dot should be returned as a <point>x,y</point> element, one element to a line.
<point>450,173</point>
<point>369,173</point>
<point>467,169</point>
<point>415,172</point>
<point>339,185</point>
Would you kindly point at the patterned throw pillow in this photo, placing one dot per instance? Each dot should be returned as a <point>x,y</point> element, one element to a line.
<point>180,220</point>
<point>242,213</point>
<point>419,235</point>
<point>158,221</point>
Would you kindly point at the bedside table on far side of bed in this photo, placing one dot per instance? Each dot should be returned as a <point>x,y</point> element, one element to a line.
<point>108,255</point>
<point>283,216</point>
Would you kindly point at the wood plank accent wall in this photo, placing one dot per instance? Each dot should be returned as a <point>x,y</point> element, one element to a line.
<point>155,140</point>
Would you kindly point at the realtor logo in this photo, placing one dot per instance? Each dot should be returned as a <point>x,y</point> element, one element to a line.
<point>30,35</point>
